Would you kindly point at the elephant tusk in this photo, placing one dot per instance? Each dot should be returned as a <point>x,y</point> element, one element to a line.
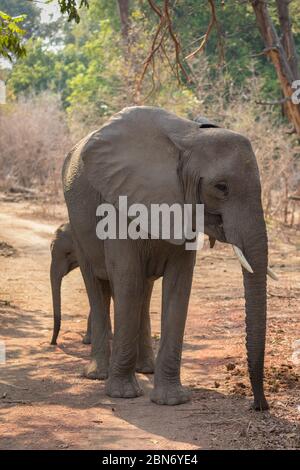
<point>247,266</point>
<point>271,273</point>
<point>242,259</point>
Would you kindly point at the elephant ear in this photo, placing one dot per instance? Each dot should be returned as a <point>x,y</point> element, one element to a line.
<point>205,123</point>
<point>136,154</point>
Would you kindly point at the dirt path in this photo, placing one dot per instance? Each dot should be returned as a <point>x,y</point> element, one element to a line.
<point>46,404</point>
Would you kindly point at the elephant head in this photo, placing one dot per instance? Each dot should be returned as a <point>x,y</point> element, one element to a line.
<point>152,156</point>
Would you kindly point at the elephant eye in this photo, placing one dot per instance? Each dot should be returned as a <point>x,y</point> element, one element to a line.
<point>222,187</point>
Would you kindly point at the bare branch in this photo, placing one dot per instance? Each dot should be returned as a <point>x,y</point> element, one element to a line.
<point>274,102</point>
<point>265,51</point>
<point>158,43</point>
<point>213,22</point>
<point>154,48</point>
<point>176,42</point>
<point>165,25</point>
<point>155,8</point>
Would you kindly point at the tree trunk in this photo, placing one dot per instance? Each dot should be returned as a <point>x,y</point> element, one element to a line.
<point>124,17</point>
<point>287,39</point>
<point>277,54</point>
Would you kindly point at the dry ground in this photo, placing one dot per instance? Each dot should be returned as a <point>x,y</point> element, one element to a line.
<point>46,404</point>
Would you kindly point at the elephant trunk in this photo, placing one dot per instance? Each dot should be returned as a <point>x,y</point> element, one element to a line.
<point>255,248</point>
<point>56,279</point>
<point>251,239</point>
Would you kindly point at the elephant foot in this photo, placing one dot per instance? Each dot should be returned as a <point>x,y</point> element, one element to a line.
<point>95,370</point>
<point>170,395</point>
<point>145,366</point>
<point>86,339</point>
<point>260,405</point>
<point>123,387</point>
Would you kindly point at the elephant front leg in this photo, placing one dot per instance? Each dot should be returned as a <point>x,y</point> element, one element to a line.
<point>176,292</point>
<point>145,360</point>
<point>128,302</point>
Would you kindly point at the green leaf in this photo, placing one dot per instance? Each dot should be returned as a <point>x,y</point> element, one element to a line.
<point>11,36</point>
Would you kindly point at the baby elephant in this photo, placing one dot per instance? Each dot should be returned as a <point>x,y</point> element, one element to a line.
<point>64,260</point>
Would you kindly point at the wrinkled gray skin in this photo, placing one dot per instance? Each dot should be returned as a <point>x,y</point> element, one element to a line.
<point>153,156</point>
<point>64,260</point>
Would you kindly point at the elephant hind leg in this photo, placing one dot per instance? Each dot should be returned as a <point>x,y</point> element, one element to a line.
<point>99,321</point>
<point>87,339</point>
<point>145,359</point>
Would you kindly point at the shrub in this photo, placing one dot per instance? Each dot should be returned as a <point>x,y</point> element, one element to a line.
<point>34,138</point>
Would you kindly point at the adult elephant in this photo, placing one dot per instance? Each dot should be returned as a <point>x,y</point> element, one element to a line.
<point>153,157</point>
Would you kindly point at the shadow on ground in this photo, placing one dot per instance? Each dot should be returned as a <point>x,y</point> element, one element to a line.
<point>51,402</point>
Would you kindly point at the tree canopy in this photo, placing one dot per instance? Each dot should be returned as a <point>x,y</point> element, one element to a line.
<point>95,72</point>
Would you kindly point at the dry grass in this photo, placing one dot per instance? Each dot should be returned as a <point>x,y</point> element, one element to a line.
<point>276,149</point>
<point>33,140</point>
<point>35,137</point>
<point>276,153</point>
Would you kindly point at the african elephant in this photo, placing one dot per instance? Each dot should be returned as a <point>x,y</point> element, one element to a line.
<point>63,261</point>
<point>153,157</point>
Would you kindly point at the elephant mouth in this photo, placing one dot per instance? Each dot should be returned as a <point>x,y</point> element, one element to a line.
<point>213,227</point>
